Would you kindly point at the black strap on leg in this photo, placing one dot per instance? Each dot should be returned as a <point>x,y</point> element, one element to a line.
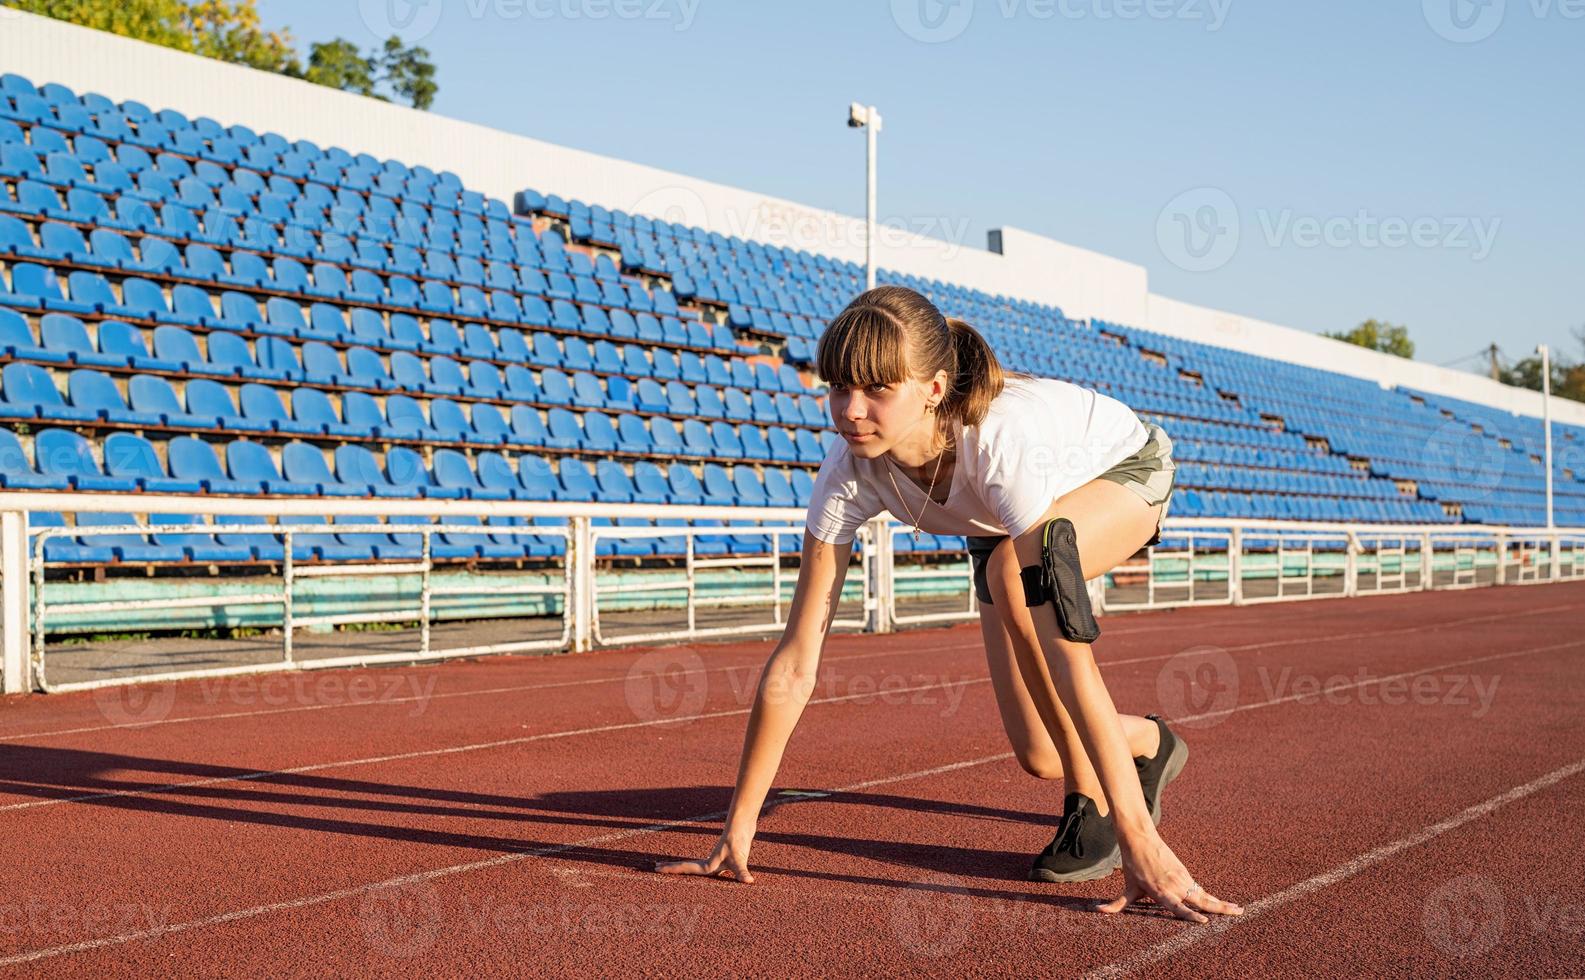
<point>1035,591</point>
<point>1060,578</point>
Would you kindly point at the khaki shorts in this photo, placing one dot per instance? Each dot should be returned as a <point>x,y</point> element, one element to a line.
<point>1151,473</point>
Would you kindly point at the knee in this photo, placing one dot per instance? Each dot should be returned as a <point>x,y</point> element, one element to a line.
<point>1041,765</point>
<point>1002,576</point>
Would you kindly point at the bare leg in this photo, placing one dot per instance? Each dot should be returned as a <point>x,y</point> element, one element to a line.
<point>1112,523</point>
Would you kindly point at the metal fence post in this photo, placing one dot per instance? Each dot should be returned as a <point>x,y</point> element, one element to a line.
<point>1235,566</point>
<point>878,584</point>
<point>15,655</point>
<point>581,554</point>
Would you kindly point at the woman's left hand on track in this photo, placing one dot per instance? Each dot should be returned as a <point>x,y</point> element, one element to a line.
<point>1151,870</point>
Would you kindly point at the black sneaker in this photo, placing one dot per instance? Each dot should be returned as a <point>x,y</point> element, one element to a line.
<point>1156,772</point>
<point>1085,847</point>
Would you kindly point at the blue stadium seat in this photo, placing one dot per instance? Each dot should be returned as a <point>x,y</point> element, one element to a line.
<point>17,472</point>
<point>305,464</point>
<point>133,457</point>
<point>29,392</point>
<point>64,454</point>
<point>95,392</point>
<point>356,466</point>
<point>251,462</point>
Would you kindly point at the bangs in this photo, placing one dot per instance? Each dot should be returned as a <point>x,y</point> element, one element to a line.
<point>862,347</point>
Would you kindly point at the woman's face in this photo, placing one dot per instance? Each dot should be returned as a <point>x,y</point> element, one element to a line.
<point>875,419</point>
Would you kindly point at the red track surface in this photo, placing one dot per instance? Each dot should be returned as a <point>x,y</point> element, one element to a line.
<point>496,817</point>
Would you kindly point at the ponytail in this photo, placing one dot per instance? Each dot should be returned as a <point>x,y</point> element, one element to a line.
<point>979,377</point>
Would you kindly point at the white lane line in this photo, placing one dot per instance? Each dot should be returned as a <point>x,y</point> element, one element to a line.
<point>653,828</point>
<point>623,726</point>
<point>436,873</point>
<point>454,749</point>
<point>614,679</point>
<point>1266,644</point>
<point>1220,924</point>
<point>375,702</point>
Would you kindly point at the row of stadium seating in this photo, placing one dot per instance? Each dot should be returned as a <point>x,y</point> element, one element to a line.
<point>373,328</point>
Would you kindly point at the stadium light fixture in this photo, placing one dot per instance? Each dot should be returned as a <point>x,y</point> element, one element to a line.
<point>867,118</point>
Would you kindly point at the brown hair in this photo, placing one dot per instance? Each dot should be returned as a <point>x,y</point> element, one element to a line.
<point>887,330</point>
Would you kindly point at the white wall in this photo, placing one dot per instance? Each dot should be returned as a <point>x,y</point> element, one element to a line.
<point>1085,284</point>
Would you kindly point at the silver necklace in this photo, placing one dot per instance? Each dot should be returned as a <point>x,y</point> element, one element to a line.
<point>929,495</point>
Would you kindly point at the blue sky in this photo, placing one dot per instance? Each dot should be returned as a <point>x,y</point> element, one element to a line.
<point>1310,164</point>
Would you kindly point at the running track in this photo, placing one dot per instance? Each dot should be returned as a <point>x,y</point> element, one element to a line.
<point>1389,785</point>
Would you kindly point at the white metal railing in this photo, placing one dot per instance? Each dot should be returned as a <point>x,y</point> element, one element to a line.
<point>1216,565</point>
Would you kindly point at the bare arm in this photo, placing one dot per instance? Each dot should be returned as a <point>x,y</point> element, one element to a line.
<point>783,692</point>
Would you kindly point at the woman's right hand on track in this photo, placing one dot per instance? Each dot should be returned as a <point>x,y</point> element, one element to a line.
<point>730,857</point>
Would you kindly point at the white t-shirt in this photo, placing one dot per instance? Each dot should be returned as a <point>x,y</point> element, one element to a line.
<point>1041,439</point>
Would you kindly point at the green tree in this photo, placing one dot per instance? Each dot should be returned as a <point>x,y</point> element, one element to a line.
<point>230,30</point>
<point>339,64</point>
<point>1379,335</point>
<point>409,73</point>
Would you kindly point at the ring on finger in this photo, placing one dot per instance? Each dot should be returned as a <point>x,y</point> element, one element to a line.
<point>1194,889</point>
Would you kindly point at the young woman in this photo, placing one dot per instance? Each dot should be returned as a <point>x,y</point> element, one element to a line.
<point>1053,484</point>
